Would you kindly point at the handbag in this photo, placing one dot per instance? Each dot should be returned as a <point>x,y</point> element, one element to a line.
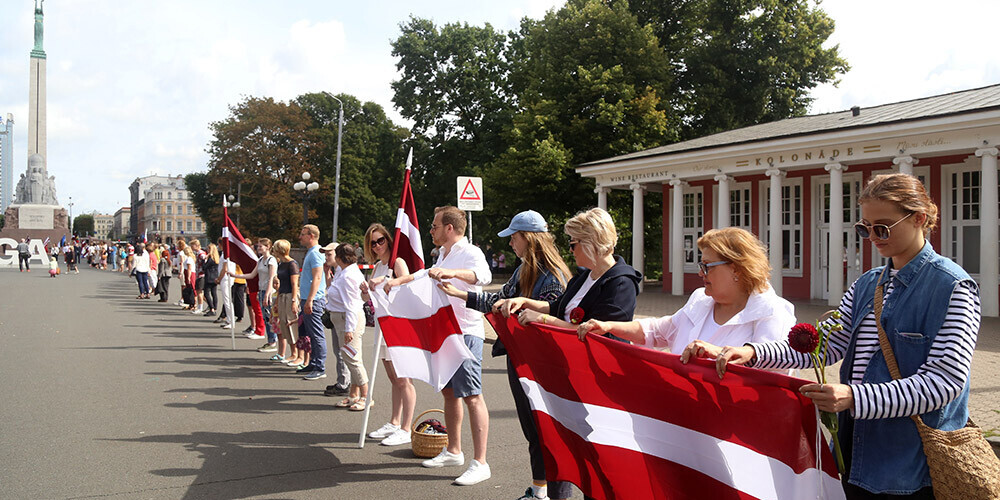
<point>962,464</point>
<point>369,313</point>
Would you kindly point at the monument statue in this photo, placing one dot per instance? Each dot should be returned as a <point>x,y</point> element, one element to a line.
<point>39,30</point>
<point>36,188</point>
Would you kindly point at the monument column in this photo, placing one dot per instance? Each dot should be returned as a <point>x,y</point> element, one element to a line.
<point>835,250</point>
<point>638,230</point>
<point>723,181</point>
<point>602,197</point>
<point>36,92</point>
<point>676,234</point>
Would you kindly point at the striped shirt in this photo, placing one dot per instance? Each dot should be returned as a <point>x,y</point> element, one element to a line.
<point>938,381</point>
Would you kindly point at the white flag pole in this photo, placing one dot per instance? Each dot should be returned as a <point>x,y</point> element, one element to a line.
<point>371,387</point>
<point>230,316</point>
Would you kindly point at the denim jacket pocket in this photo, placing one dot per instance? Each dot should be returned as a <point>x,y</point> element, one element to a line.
<point>912,337</point>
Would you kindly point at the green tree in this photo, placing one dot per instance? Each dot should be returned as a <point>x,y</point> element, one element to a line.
<point>262,147</point>
<point>741,62</point>
<point>2,220</point>
<point>83,225</point>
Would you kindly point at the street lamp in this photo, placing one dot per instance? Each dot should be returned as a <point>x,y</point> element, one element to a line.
<point>71,217</point>
<point>336,188</point>
<point>306,191</point>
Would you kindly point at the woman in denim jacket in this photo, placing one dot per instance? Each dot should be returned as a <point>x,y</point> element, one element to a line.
<point>541,276</point>
<point>931,315</point>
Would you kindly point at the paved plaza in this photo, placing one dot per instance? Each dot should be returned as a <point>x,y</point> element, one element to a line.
<point>105,396</point>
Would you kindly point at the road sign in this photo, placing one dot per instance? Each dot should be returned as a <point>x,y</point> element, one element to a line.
<point>470,193</point>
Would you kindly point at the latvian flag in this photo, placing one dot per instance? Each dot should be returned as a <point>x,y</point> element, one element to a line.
<point>422,335</point>
<point>237,250</point>
<point>622,421</point>
<point>406,240</point>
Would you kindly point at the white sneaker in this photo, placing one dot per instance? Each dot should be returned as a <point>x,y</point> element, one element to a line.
<point>225,325</point>
<point>443,459</point>
<point>475,474</point>
<point>397,438</point>
<point>254,336</point>
<point>384,431</point>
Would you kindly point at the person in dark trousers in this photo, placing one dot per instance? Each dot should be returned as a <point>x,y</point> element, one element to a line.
<point>23,255</point>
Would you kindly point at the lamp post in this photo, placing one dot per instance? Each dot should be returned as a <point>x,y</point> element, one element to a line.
<point>306,191</point>
<point>336,187</point>
<point>71,217</point>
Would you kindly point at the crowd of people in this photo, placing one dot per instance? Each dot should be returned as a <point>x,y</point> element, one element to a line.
<point>317,306</point>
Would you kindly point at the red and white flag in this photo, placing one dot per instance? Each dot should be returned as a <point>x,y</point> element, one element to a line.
<point>622,421</point>
<point>238,250</point>
<point>406,240</point>
<point>422,334</point>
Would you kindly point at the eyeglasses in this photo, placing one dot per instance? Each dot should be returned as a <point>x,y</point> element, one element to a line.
<point>378,242</point>
<point>881,231</point>
<point>704,267</point>
<point>572,245</point>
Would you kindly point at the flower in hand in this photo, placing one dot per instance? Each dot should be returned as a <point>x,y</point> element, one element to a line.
<point>804,338</point>
<point>576,315</point>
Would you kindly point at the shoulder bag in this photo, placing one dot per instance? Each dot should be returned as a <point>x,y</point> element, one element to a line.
<point>962,464</point>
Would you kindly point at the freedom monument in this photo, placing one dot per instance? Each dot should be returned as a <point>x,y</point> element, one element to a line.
<point>36,212</point>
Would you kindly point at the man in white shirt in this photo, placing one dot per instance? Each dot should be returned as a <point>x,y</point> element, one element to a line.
<point>464,266</point>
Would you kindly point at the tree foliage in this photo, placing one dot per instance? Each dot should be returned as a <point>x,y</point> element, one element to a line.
<point>83,225</point>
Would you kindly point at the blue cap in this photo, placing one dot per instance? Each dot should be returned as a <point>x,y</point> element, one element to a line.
<point>529,220</point>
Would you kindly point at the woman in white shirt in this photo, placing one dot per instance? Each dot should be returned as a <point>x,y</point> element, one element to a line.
<point>142,271</point>
<point>343,301</point>
<point>736,305</point>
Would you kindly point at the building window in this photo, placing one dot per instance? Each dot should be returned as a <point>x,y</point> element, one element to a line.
<point>692,227</point>
<point>170,209</point>
<point>197,226</point>
<point>170,226</point>
<point>189,226</point>
<point>170,195</point>
<point>188,208</point>
<point>739,208</point>
<point>791,223</point>
<point>157,209</point>
<point>964,229</point>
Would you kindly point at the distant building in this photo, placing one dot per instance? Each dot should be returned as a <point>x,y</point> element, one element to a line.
<point>120,223</point>
<point>162,209</point>
<point>7,180</point>
<point>103,225</point>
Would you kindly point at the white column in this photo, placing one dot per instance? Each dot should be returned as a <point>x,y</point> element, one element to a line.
<point>676,234</point>
<point>774,223</point>
<point>988,216</point>
<point>723,217</point>
<point>835,251</point>
<point>905,164</point>
<point>638,230</point>
<point>602,197</point>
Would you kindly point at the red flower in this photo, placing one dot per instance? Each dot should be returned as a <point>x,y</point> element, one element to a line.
<point>803,338</point>
<point>576,316</point>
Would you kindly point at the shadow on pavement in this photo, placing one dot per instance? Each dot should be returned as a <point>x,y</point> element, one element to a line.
<point>273,463</point>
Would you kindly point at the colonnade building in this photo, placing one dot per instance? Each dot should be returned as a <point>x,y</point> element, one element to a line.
<point>816,167</point>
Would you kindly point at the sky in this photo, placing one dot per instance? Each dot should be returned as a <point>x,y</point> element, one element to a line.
<point>133,85</point>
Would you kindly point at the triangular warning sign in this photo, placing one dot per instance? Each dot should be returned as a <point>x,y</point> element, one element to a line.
<point>469,192</point>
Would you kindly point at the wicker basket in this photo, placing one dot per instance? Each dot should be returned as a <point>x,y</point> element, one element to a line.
<point>427,445</point>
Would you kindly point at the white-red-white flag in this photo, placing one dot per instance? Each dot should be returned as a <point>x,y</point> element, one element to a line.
<point>236,249</point>
<point>622,421</point>
<point>406,240</point>
<point>422,335</point>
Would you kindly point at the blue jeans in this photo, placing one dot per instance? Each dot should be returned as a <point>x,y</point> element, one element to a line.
<point>143,279</point>
<point>312,325</point>
<point>266,312</point>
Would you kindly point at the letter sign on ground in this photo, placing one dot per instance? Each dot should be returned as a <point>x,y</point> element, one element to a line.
<point>470,193</point>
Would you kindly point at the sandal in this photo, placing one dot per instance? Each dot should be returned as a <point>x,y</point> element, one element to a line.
<point>346,402</point>
<point>358,405</point>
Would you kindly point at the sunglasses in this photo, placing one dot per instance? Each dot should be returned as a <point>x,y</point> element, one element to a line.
<point>572,245</point>
<point>704,267</point>
<point>379,241</point>
<point>881,231</point>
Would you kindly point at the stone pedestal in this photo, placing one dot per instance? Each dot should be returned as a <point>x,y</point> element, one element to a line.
<point>37,222</point>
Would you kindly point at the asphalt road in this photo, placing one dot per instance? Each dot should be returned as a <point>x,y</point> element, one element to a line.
<point>105,396</point>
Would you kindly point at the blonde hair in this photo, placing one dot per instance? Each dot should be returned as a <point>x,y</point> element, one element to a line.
<point>454,216</point>
<point>906,192</point>
<point>594,229</point>
<point>195,244</point>
<point>213,252</point>
<point>312,229</point>
<point>187,251</point>
<point>281,249</point>
<point>540,255</point>
<point>369,254</point>
<point>744,251</point>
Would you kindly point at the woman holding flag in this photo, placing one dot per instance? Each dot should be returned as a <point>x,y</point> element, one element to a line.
<point>542,276</point>
<point>378,249</point>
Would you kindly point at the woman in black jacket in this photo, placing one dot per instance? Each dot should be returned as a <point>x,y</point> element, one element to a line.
<point>604,289</point>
